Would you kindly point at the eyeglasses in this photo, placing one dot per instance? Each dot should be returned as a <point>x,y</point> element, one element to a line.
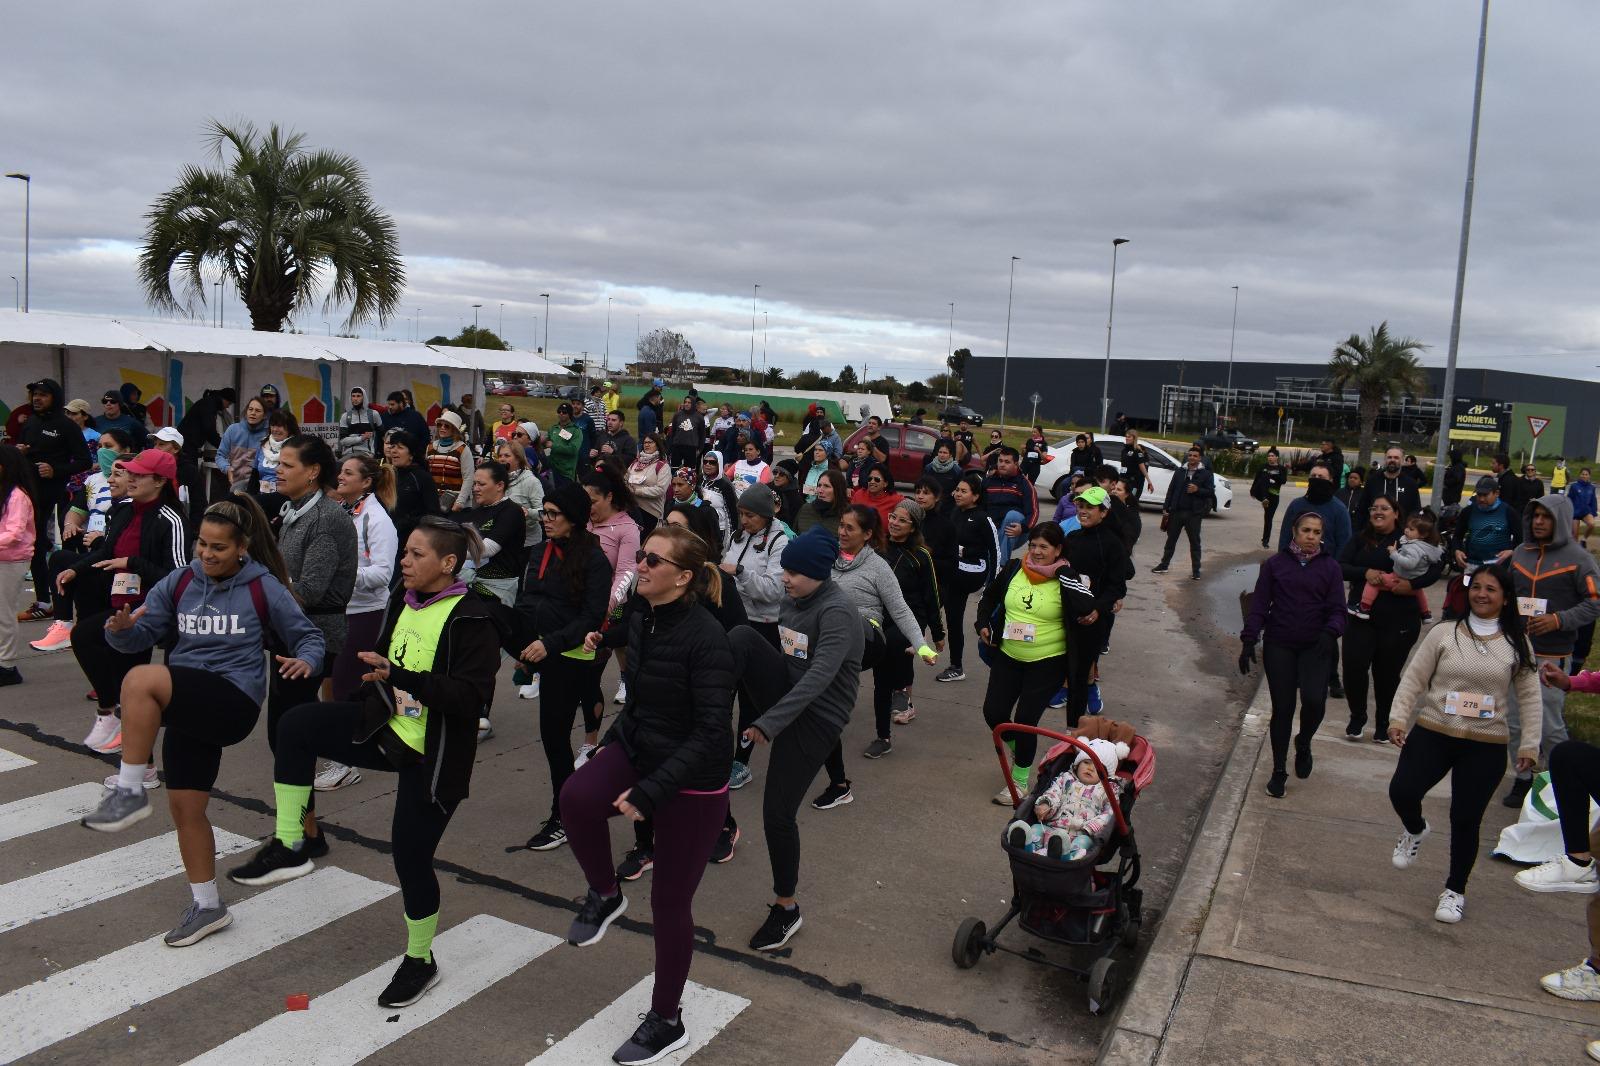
<point>549,512</point>
<point>652,560</point>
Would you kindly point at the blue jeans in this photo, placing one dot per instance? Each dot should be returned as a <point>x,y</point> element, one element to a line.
<point>1011,544</point>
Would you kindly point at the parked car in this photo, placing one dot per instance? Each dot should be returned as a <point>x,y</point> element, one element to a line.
<point>957,411</point>
<point>909,449</point>
<point>539,390</point>
<point>503,388</point>
<point>1053,476</point>
<point>571,393</point>
<point>1229,438</point>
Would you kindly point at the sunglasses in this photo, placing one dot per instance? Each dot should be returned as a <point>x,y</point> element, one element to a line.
<point>652,560</point>
<point>519,433</point>
<point>876,481</point>
<point>549,512</point>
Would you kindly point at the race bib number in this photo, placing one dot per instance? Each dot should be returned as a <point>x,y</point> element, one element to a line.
<point>1020,631</point>
<point>564,434</point>
<point>1469,705</point>
<point>406,705</point>
<point>1532,606</point>
<point>795,644</point>
<point>125,585</point>
<point>1033,455</point>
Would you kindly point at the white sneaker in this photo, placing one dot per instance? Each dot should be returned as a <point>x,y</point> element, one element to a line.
<point>1577,982</point>
<point>584,751</point>
<point>1451,906</point>
<point>1405,852</point>
<point>622,693</point>
<point>1593,1048</point>
<point>485,730</point>
<point>105,727</point>
<point>1560,874</point>
<point>334,776</point>
<point>150,779</point>
<point>529,691</point>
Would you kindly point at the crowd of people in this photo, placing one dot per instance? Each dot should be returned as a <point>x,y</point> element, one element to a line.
<point>370,589</point>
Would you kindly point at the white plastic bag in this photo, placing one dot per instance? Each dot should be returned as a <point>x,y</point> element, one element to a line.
<point>1535,837</point>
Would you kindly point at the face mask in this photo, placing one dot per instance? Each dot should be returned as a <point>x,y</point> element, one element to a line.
<point>1319,490</point>
<point>107,458</point>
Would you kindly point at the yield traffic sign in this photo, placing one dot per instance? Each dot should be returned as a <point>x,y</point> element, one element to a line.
<point>1536,425</point>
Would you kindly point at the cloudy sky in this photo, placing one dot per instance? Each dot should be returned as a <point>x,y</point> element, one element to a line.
<point>865,163</point>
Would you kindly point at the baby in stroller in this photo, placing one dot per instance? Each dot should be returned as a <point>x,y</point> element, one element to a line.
<point>1074,812</point>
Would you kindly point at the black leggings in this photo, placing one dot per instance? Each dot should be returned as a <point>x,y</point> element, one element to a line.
<point>59,563</point>
<point>1084,645</point>
<point>103,665</point>
<point>48,497</point>
<point>955,598</point>
<point>1027,687</point>
<point>886,656</point>
<point>207,713</point>
<point>797,754</point>
<point>563,686</point>
<point>1383,654</point>
<point>1475,770</point>
<point>1296,672</point>
<point>1269,507</point>
<point>1575,777</point>
<point>283,696</point>
<point>747,711</point>
<point>311,730</point>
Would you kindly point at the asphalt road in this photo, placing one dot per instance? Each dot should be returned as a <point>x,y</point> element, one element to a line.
<point>885,881</point>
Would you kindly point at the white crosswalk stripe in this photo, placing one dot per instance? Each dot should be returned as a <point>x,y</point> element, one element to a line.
<point>66,1003</point>
<point>867,1052</point>
<point>346,1025</point>
<point>12,761</point>
<point>706,1012</point>
<point>99,877</point>
<point>47,811</point>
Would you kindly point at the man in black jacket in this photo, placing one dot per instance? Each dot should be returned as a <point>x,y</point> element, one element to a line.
<point>54,444</point>
<point>1391,484</point>
<point>1190,497</point>
<point>1455,479</point>
<point>1331,455</point>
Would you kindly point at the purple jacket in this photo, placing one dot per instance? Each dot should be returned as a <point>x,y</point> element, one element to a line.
<point>1296,604</point>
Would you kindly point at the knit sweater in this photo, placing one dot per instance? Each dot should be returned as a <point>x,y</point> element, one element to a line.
<point>1450,658</point>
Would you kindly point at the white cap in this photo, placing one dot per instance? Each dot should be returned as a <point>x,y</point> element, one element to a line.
<point>452,418</point>
<point>170,435</point>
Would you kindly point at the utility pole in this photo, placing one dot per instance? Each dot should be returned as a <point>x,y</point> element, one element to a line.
<point>1227,397</point>
<point>1105,383</point>
<point>1005,360</point>
<point>750,375</point>
<point>950,351</point>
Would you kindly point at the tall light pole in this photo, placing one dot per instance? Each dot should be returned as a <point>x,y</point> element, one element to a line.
<point>1105,381</point>
<point>217,285</point>
<point>1448,402</point>
<point>1005,359</point>
<point>16,291</point>
<point>475,324</point>
<point>950,352</point>
<point>419,325</point>
<point>1232,333</point>
<point>755,294</point>
<point>502,322</point>
<point>607,363</point>
<point>546,324</point>
<point>27,235</point>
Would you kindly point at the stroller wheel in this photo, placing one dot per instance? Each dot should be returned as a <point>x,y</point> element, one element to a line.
<point>968,945</point>
<point>1105,985</point>
<point>1131,921</point>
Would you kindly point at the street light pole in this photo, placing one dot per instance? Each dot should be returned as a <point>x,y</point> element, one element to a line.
<point>1232,333</point>
<point>1105,381</point>
<point>217,285</point>
<point>16,291</point>
<point>755,294</point>
<point>763,349</point>
<point>27,236</point>
<point>475,324</point>
<point>1448,402</point>
<point>607,363</point>
<point>546,352</point>
<point>1005,359</point>
<point>950,352</point>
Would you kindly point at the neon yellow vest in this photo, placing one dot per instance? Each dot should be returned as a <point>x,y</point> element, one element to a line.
<point>414,645</point>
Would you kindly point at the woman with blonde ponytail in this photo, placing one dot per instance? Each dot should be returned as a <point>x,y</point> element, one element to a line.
<point>666,758</point>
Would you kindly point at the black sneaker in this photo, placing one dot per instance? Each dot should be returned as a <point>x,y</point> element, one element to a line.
<point>655,1039</point>
<point>635,864</point>
<point>1335,689</point>
<point>10,675</point>
<point>878,748</point>
<point>1195,576</point>
<point>1352,732</point>
<point>781,924</point>
<point>1275,784</point>
<point>727,840</point>
<point>1519,792</point>
<point>551,835</point>
<point>315,847</point>
<point>594,917</point>
<point>952,673</point>
<point>1159,568</point>
<point>410,982</point>
<point>1302,764</point>
<point>272,863</point>
<point>833,796</point>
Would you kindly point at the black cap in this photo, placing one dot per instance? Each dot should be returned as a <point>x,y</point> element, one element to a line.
<point>111,397</point>
<point>1486,484</point>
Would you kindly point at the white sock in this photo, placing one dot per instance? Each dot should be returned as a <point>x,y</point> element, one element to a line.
<point>131,776</point>
<point>205,894</point>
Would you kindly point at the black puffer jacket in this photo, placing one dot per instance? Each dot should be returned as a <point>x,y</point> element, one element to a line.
<point>677,724</point>
<point>551,610</point>
<point>919,583</point>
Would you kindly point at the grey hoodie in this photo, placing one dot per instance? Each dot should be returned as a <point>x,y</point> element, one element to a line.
<point>871,585</point>
<point>1560,573</point>
<point>826,682</point>
<point>217,628</point>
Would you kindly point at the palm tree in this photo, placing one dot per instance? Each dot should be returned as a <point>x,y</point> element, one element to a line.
<point>1381,369</point>
<point>280,221</point>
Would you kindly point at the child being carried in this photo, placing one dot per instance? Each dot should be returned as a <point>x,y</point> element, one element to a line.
<point>1415,552</point>
<point>1074,812</point>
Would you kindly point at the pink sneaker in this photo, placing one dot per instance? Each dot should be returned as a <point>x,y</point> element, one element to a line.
<point>106,726</point>
<point>114,745</point>
<point>57,637</point>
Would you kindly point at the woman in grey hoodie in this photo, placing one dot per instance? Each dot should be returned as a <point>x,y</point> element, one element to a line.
<point>219,612</point>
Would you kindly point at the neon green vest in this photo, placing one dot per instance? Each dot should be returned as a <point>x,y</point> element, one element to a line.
<point>414,645</point>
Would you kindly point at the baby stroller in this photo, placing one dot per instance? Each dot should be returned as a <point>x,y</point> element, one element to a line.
<point>1073,902</point>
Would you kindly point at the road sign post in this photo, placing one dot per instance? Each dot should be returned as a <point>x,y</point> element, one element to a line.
<point>1536,426</point>
<point>1034,399</point>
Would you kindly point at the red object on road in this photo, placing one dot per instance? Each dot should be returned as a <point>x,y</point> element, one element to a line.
<point>297,1001</point>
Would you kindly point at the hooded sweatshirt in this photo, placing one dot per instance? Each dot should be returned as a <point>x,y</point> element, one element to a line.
<point>1559,576</point>
<point>359,428</point>
<point>1336,530</point>
<point>826,681</point>
<point>1581,493</point>
<point>218,629</point>
<point>1297,600</point>
<point>236,451</point>
<point>871,585</point>
<point>54,438</point>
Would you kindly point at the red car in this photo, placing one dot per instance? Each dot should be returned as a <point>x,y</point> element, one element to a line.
<point>909,449</point>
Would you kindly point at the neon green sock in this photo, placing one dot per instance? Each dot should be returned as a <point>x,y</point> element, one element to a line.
<point>419,936</point>
<point>1011,746</point>
<point>292,801</point>
<point>1019,777</point>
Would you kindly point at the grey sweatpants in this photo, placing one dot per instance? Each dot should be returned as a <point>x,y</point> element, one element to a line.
<point>1554,703</point>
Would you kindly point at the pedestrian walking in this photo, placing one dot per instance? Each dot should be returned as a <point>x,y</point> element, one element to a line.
<point>977,560</point>
<point>1190,497</point>
<point>1266,490</point>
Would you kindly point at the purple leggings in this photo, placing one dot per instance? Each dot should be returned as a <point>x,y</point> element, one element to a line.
<point>687,827</point>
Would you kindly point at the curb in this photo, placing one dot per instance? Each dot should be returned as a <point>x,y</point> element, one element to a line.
<point>1141,1023</point>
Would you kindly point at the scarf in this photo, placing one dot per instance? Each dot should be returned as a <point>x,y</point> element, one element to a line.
<point>943,466</point>
<point>1037,575</point>
<point>291,512</point>
<point>353,509</point>
<point>455,588</point>
<point>1301,554</point>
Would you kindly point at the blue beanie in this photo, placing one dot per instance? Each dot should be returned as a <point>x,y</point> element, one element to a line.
<point>812,553</point>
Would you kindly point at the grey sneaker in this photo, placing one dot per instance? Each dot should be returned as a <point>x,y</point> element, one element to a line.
<point>118,810</point>
<point>739,776</point>
<point>878,748</point>
<point>197,924</point>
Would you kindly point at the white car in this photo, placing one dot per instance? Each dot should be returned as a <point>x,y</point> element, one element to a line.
<point>1053,476</point>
